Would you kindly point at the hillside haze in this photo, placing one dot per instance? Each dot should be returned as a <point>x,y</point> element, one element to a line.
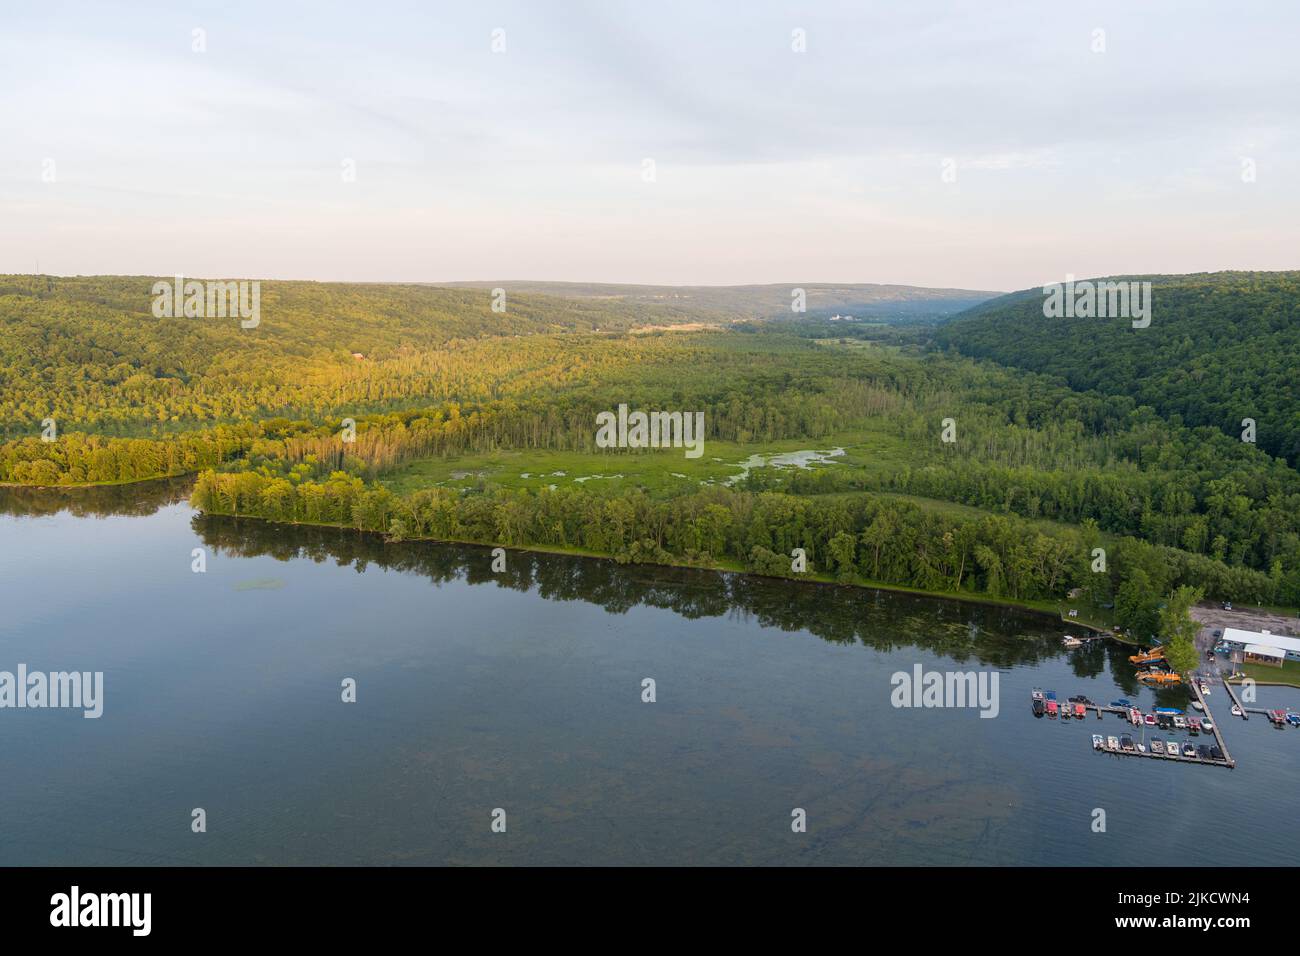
<point>771,300</point>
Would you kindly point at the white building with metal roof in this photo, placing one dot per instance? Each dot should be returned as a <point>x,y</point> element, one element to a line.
<point>1261,646</point>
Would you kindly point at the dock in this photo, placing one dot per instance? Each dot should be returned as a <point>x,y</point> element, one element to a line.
<point>1227,760</point>
<point>1223,747</point>
<point>1233,694</point>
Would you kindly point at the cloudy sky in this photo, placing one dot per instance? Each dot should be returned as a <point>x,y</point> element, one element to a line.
<point>388,141</point>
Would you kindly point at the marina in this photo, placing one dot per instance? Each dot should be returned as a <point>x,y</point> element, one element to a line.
<point>1125,746</point>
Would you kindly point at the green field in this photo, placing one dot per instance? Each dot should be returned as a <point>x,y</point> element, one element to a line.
<point>659,472</point>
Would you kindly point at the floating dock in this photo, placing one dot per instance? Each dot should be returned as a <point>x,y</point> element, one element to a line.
<point>1227,760</point>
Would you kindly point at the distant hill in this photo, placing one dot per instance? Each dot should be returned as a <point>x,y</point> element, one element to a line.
<point>739,302</point>
<point>1221,347</point>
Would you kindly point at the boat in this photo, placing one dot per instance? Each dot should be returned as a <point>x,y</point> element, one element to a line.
<point>1172,749</point>
<point>1180,722</point>
<point>1142,748</point>
<point>1207,725</point>
<point>1148,657</point>
<point>1198,705</point>
<point>1122,702</point>
<point>1135,716</point>
<point>1051,709</point>
<point>1168,711</point>
<point>1149,720</point>
<point>1194,724</point>
<point>1157,745</point>
<point>1070,641</point>
<point>1098,742</point>
<point>1036,699</point>
<point>1160,677</point>
<point>1126,742</point>
<point>1293,718</point>
<point>1112,743</point>
<point>1080,711</point>
<point>1189,750</point>
<point>1236,711</point>
<point>1278,717</point>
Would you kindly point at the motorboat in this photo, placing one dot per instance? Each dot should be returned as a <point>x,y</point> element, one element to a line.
<point>1112,743</point>
<point>1098,742</point>
<point>1157,745</point>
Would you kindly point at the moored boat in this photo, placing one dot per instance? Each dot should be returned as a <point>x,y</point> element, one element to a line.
<point>1097,742</point>
<point>1157,745</point>
<point>1036,700</point>
<point>1112,743</point>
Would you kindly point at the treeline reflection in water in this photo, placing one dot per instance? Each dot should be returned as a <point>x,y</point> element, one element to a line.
<point>967,633</point>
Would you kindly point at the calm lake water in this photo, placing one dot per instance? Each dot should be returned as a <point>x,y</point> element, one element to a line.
<point>523,691</point>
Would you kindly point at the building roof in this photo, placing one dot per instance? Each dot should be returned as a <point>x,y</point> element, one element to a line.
<point>1259,650</point>
<point>1278,642</point>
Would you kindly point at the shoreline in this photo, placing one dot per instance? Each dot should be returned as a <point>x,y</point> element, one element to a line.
<point>1052,613</point>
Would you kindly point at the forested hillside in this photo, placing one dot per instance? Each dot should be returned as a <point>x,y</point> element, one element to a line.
<point>88,351</point>
<point>1221,347</point>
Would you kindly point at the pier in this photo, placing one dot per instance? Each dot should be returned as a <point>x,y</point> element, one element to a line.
<point>1227,761</point>
<point>1223,747</point>
<point>1233,694</point>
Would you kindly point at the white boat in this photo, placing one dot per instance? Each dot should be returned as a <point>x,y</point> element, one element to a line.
<point>1098,741</point>
<point>1112,743</point>
<point>1142,748</point>
<point>1207,725</point>
<point>1172,749</point>
<point>1236,711</point>
<point>1157,745</point>
<point>1069,641</point>
<point>1198,705</point>
<point>1180,722</point>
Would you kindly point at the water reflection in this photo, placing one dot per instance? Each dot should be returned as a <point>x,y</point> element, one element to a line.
<point>139,499</point>
<point>885,620</point>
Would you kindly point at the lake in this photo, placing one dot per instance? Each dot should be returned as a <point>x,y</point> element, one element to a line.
<point>523,691</point>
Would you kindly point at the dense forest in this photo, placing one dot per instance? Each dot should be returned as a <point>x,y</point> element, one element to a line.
<point>309,416</point>
<point>1220,348</point>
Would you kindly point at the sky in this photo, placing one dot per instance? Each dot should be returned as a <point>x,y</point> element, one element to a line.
<point>989,145</point>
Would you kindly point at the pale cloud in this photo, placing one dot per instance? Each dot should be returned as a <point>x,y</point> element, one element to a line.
<point>770,164</point>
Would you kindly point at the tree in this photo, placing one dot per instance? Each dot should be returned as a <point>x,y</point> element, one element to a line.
<point>1178,629</point>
